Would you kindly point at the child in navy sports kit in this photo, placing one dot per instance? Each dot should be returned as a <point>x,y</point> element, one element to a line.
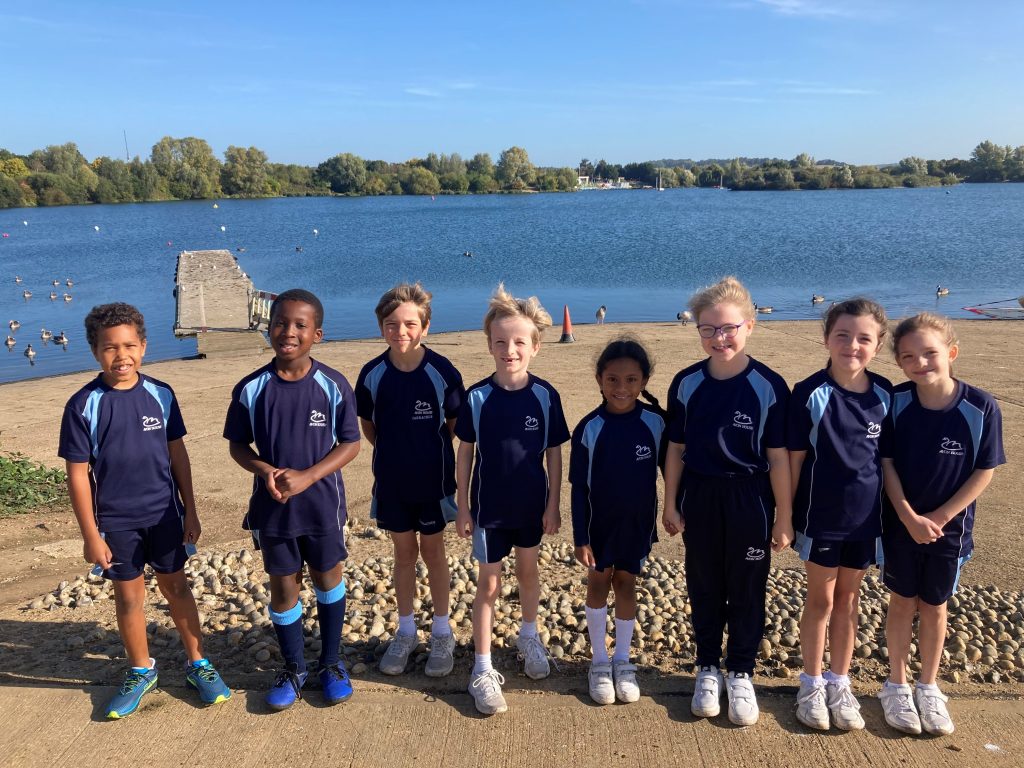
<point>613,468</point>
<point>301,416</point>
<point>835,420</point>
<point>940,447</point>
<point>726,471</point>
<point>131,488</point>
<point>407,399</point>
<point>510,424</point>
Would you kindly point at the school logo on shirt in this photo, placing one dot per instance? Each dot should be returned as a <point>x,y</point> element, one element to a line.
<point>532,424</point>
<point>422,410</point>
<point>874,430</point>
<point>951,447</point>
<point>317,419</point>
<point>643,452</point>
<point>149,423</point>
<point>742,421</point>
<point>755,553</point>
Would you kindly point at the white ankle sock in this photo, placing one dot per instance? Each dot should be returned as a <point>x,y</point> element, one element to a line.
<point>528,629</point>
<point>482,663</point>
<point>406,625</point>
<point>440,627</point>
<point>597,629</point>
<point>623,638</point>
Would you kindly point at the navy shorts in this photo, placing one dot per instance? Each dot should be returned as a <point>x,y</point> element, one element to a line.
<point>158,546</point>
<point>282,557</point>
<point>492,545</point>
<point>912,571</point>
<point>400,517</point>
<point>606,560</point>
<point>829,553</point>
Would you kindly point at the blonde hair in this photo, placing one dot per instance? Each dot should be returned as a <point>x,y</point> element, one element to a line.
<point>503,304</point>
<point>399,295</point>
<point>924,321</point>
<point>728,290</point>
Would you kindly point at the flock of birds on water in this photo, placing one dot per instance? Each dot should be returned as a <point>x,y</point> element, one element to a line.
<point>47,336</point>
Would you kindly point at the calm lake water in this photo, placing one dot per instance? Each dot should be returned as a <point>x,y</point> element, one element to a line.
<point>641,253</point>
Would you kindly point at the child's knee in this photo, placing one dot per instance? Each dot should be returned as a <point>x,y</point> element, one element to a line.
<point>902,606</point>
<point>487,587</point>
<point>819,602</point>
<point>174,587</point>
<point>623,582</point>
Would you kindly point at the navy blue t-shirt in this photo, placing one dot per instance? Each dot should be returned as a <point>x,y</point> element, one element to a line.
<point>123,435</point>
<point>934,453</point>
<point>413,459</point>
<point>839,491</point>
<point>294,425</point>
<point>511,429</point>
<point>727,424</point>
<point>613,468</point>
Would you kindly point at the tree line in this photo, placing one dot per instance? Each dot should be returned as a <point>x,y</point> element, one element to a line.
<point>187,169</point>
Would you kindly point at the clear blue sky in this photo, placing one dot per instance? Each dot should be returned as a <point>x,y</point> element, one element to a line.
<point>856,80</point>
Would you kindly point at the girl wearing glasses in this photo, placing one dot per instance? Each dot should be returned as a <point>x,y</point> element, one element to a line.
<point>726,469</point>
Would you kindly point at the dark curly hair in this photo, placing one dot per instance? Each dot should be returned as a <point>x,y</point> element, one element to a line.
<point>306,297</point>
<point>626,347</point>
<point>109,316</point>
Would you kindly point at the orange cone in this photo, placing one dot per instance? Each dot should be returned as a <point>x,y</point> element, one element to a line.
<point>567,337</point>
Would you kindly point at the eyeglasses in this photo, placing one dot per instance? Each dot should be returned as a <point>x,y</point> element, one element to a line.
<point>710,331</point>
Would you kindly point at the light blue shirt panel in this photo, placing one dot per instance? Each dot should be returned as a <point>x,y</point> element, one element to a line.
<point>476,405</point>
<point>817,402</point>
<point>544,398</point>
<point>163,396</point>
<point>250,392</point>
<point>91,414</point>
<point>884,398</point>
<point>372,382</point>
<point>439,385</point>
<point>656,424</point>
<point>975,419</point>
<point>333,392</point>
<point>901,401</point>
<point>766,397</point>
<point>590,435</point>
<point>688,386</point>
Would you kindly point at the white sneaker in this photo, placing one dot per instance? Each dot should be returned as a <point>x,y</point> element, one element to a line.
<point>602,689</point>
<point>898,706</point>
<point>534,656</point>
<point>485,688</point>
<point>707,690</point>
<point>811,705</point>
<point>931,703</point>
<point>397,655</point>
<point>626,689</point>
<point>742,701</point>
<point>844,707</point>
<point>441,659</point>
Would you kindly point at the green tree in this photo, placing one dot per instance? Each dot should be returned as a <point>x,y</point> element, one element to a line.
<point>344,173</point>
<point>482,183</point>
<point>115,180</point>
<point>418,180</point>
<point>685,177</point>
<point>457,183</point>
<point>568,179</point>
<point>375,185</point>
<point>914,165</point>
<point>189,166</point>
<point>803,160</point>
<point>987,160</point>
<point>10,192</point>
<point>586,168</point>
<point>13,168</point>
<point>245,172</point>
<point>842,177</point>
<point>515,171</point>
<point>481,164</point>
<point>1013,166</point>
<point>147,183</point>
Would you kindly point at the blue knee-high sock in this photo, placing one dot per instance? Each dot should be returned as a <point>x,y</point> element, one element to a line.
<point>330,612</point>
<point>288,626</point>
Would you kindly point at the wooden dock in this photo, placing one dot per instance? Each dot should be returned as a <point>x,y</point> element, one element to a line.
<point>213,297</point>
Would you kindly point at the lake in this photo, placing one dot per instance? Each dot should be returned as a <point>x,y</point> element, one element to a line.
<point>641,253</point>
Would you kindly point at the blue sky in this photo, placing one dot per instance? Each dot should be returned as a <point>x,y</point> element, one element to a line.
<point>856,80</point>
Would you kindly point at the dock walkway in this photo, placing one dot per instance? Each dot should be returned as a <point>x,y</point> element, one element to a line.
<point>213,303</point>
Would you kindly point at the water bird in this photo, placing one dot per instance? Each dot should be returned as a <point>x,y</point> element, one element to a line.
<point>601,311</point>
<point>61,338</point>
<point>316,232</point>
<point>6,234</point>
<point>940,291</point>
<point>69,282</point>
<point>10,341</point>
<point>29,352</point>
<point>685,316</point>
<point>25,223</point>
<point>53,295</point>
<point>67,297</point>
<point>298,249</point>
<point>45,335</point>
<point>14,325</point>
<point>764,310</point>
<point>27,293</point>
<point>17,279</point>
<point>817,298</point>
<point>240,250</point>
<point>468,254</point>
<point>56,282</point>
<point>223,228</point>
<point>96,227</point>
<point>216,206</point>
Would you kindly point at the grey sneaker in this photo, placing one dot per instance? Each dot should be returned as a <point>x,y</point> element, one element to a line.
<point>935,719</point>
<point>707,691</point>
<point>441,658</point>
<point>812,705</point>
<point>844,707</point>
<point>626,689</point>
<point>742,701</point>
<point>602,689</point>
<point>397,655</point>
<point>485,689</point>
<point>534,656</point>
<point>898,706</point>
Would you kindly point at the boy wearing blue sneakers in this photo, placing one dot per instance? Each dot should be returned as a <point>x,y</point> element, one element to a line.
<point>131,489</point>
<point>301,417</point>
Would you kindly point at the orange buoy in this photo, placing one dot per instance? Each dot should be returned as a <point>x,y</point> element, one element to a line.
<point>567,337</point>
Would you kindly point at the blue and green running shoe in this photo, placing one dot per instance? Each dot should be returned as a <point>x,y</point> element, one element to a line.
<point>136,682</point>
<point>335,684</point>
<point>287,687</point>
<point>205,679</point>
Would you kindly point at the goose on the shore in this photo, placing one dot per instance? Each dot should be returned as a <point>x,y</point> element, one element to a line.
<point>45,334</point>
<point>14,325</point>
<point>60,338</point>
<point>685,316</point>
<point>817,298</point>
<point>601,312</point>
<point>940,291</point>
<point>10,341</point>
<point>67,297</point>
<point>764,310</point>
<point>53,295</point>
<point>29,352</point>
<point>27,294</point>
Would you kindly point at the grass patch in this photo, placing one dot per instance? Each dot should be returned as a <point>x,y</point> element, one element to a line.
<point>26,485</point>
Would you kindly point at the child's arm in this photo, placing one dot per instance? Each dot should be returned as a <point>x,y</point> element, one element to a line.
<point>782,531</point>
<point>181,469</point>
<point>463,471</point>
<point>451,426</point>
<point>95,549</point>
<point>369,431</point>
<point>292,482</point>
<point>671,520</point>
<point>922,529</point>
<point>552,519</point>
<point>969,491</point>
<point>249,460</point>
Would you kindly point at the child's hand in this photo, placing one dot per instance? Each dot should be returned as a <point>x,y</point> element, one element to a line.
<point>193,530</point>
<point>782,536</point>
<point>551,521</point>
<point>923,529</point>
<point>672,521</point>
<point>464,523</point>
<point>292,482</point>
<point>270,480</point>
<point>585,556</point>
<point>96,551</point>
